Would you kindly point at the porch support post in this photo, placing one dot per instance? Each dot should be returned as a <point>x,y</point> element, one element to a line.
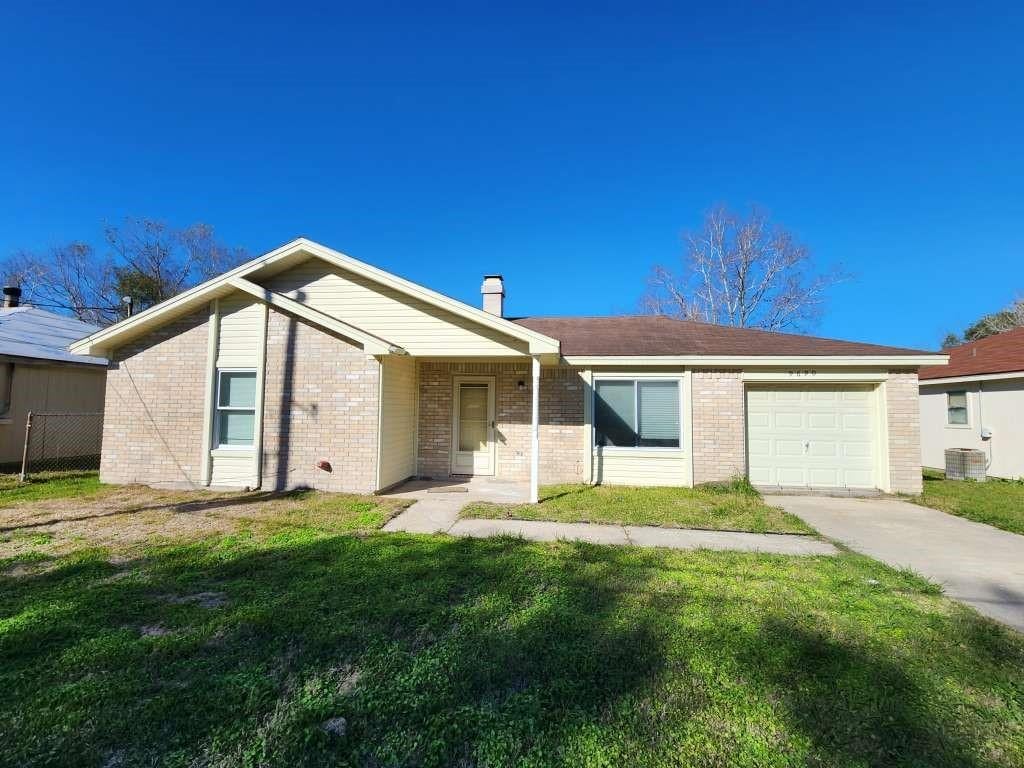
<point>535,434</point>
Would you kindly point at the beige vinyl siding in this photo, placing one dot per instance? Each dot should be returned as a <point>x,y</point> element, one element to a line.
<point>240,338</point>
<point>637,466</point>
<point>233,468</point>
<point>241,327</point>
<point>54,389</point>
<point>398,420</point>
<point>418,327</point>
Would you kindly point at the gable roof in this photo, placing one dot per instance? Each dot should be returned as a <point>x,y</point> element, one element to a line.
<point>280,259</point>
<point>1001,353</point>
<point>34,333</point>
<point>658,335</point>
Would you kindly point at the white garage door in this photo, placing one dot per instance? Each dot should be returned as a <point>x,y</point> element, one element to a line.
<point>812,436</point>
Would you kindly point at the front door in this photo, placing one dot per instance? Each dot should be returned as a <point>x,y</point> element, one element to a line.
<point>473,426</point>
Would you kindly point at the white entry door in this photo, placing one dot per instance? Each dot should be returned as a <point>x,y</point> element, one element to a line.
<point>812,436</point>
<point>473,426</point>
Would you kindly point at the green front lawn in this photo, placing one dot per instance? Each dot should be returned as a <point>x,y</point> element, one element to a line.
<point>727,507</point>
<point>49,485</point>
<point>996,502</point>
<point>245,648</point>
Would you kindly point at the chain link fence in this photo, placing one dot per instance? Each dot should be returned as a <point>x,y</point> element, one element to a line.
<point>61,442</point>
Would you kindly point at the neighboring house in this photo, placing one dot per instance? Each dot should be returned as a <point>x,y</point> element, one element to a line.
<point>977,401</point>
<point>305,367</point>
<point>38,373</point>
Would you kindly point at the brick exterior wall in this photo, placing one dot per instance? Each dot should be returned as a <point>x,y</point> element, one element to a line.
<point>153,409</point>
<point>719,428</point>
<point>561,420</point>
<point>320,402</point>
<point>719,425</point>
<point>904,413</point>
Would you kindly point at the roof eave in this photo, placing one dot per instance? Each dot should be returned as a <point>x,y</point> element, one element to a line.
<point>733,361</point>
<point>109,338</point>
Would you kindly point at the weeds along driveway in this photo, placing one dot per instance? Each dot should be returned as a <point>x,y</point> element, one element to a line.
<point>976,563</point>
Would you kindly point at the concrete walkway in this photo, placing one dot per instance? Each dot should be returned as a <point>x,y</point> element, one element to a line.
<point>978,564</point>
<point>437,511</point>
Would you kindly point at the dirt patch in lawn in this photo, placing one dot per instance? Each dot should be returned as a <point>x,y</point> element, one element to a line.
<point>136,515</point>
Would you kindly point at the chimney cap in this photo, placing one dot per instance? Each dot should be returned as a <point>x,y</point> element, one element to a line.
<point>12,295</point>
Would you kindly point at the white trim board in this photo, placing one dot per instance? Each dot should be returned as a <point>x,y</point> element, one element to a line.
<point>745,361</point>
<point>294,252</point>
<point>975,377</point>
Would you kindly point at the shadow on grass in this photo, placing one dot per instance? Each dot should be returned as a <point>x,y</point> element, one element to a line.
<point>854,706</point>
<point>436,652</point>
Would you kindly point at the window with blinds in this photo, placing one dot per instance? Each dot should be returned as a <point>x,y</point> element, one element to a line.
<point>636,413</point>
<point>956,408</point>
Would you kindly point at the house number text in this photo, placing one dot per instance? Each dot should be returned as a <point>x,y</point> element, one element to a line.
<point>804,372</point>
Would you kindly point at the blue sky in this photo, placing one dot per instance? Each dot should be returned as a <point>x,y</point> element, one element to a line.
<point>566,147</point>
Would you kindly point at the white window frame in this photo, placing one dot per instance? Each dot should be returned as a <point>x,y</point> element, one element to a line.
<point>635,378</point>
<point>967,408</point>
<point>218,408</point>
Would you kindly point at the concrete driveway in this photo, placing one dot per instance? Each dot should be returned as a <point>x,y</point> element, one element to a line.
<point>976,563</point>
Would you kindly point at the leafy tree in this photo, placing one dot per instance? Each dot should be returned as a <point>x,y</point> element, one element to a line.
<point>742,271</point>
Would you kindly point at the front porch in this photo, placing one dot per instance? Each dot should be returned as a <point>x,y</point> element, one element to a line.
<point>484,427</point>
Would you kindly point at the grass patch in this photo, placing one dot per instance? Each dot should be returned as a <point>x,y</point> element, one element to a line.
<point>237,649</point>
<point>733,506</point>
<point>999,503</point>
<point>49,485</point>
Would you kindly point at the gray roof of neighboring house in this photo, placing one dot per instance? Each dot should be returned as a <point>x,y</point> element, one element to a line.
<point>33,333</point>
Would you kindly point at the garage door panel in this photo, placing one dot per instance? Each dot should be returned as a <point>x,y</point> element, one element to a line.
<point>857,449</point>
<point>759,447</point>
<point>823,420</point>
<point>812,435</point>
<point>822,396</point>
<point>787,396</point>
<point>788,420</point>
<point>760,419</point>
<point>825,478</point>
<point>787,448</point>
<point>858,478</point>
<point>791,476</point>
<point>856,421</point>
<point>822,448</point>
<point>761,476</point>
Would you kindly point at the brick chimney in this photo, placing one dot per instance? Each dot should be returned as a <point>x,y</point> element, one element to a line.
<point>493,291</point>
<point>12,296</point>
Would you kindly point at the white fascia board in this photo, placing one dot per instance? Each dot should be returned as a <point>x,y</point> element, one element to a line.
<point>372,345</point>
<point>111,336</point>
<point>762,361</point>
<point>976,377</point>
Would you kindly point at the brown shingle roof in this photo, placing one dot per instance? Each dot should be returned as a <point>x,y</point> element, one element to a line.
<point>660,335</point>
<point>1002,353</point>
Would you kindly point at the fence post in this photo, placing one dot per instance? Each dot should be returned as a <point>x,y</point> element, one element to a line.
<point>24,450</point>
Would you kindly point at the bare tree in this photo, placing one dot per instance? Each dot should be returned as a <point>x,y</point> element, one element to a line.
<point>741,271</point>
<point>145,259</point>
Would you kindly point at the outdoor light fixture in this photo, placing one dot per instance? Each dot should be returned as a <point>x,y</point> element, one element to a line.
<point>521,385</point>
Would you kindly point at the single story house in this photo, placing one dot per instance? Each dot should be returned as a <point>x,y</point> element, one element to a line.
<point>39,374</point>
<point>306,367</point>
<point>977,401</point>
